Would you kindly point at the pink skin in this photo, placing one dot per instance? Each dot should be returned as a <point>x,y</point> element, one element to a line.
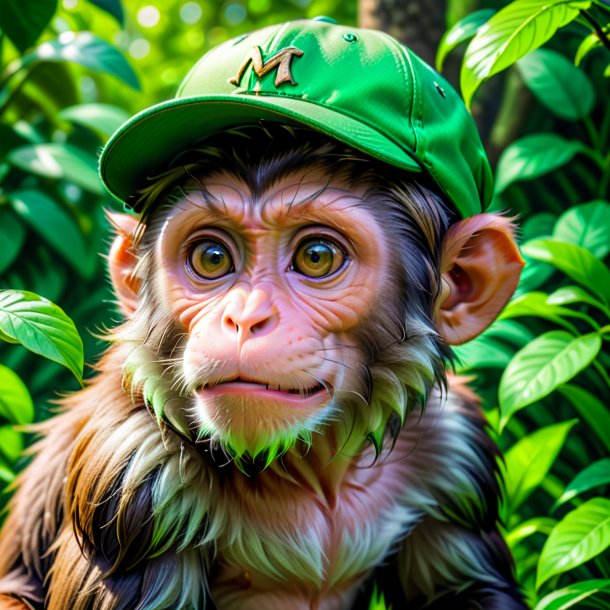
<point>265,323</point>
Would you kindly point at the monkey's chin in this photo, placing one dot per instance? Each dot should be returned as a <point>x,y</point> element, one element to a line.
<point>250,420</point>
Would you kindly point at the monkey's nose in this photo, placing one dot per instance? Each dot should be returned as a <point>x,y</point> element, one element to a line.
<point>256,317</point>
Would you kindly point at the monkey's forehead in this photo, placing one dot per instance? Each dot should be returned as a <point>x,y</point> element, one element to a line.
<point>361,87</point>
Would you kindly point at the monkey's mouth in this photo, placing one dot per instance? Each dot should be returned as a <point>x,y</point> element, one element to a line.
<point>241,385</point>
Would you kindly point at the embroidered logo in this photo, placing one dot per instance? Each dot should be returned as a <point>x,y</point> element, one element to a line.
<point>281,60</point>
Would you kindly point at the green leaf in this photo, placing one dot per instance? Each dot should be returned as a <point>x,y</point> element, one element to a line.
<point>112,7</point>
<point>575,592</point>
<point>528,461</point>
<point>464,29</point>
<point>482,352</point>
<point>6,472</point>
<point>60,161</point>
<point>102,118</point>
<point>543,365</point>
<point>528,528</point>
<point>575,294</point>
<point>59,228</point>
<point>517,29</point>
<point>12,236</point>
<point>11,442</point>
<point>88,50</point>
<point>558,84</point>
<point>16,403</point>
<point>581,535</point>
<point>592,41</point>
<point>574,261</point>
<point>42,327</point>
<point>535,304</point>
<point>591,410</point>
<point>593,475</point>
<point>586,225</point>
<point>23,21</point>
<point>533,156</point>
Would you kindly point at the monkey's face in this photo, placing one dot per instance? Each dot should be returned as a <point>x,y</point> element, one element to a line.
<point>269,292</point>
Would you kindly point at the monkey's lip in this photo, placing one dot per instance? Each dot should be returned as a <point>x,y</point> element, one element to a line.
<point>243,386</point>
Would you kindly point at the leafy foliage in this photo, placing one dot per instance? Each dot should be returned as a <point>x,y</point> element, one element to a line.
<point>553,389</point>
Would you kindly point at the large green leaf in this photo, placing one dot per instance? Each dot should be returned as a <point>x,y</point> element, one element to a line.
<point>533,156</point>
<point>541,366</point>
<point>24,20</point>
<point>15,401</point>
<point>535,304</point>
<point>42,327</point>
<point>11,442</point>
<point>558,84</point>
<point>586,225</point>
<point>592,476</point>
<point>88,50</point>
<point>12,236</point>
<point>59,228</point>
<point>591,409</point>
<point>61,161</point>
<point>574,261</point>
<point>574,294</point>
<point>581,535</point>
<point>528,461</point>
<point>517,29</point>
<point>103,118</point>
<point>112,7</point>
<point>464,29</point>
<point>528,528</point>
<point>569,596</point>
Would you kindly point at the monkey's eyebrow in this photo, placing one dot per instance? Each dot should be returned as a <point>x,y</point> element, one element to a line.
<point>205,200</point>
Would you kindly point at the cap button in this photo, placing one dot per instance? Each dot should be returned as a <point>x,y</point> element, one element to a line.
<point>325,19</point>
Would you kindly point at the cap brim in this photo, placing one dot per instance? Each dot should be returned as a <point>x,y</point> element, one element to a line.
<point>146,144</point>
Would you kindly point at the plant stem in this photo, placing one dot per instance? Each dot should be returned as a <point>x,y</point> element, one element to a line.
<point>7,102</point>
<point>598,29</point>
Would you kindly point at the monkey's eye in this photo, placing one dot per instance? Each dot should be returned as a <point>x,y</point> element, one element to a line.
<point>210,259</point>
<point>317,258</point>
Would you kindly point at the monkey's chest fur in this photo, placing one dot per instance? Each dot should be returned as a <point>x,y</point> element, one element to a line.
<point>305,534</point>
<point>311,533</point>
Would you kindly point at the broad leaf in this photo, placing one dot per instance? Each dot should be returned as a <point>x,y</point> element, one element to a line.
<point>558,84</point>
<point>581,535</point>
<point>541,366</point>
<point>11,442</point>
<point>59,228</point>
<point>60,161</point>
<point>12,236</point>
<point>591,410</point>
<point>528,528</point>
<point>586,225</point>
<point>103,118</point>
<point>42,327</point>
<point>112,7</point>
<point>88,50</point>
<point>464,29</point>
<point>592,476</point>
<point>533,156</point>
<point>573,294</point>
<point>528,461</point>
<point>535,304</point>
<point>569,596</point>
<point>23,21</point>
<point>517,29</point>
<point>482,352</point>
<point>592,41</point>
<point>538,225</point>
<point>15,401</point>
<point>575,262</point>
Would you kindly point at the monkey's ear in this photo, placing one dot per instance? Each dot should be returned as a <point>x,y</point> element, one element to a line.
<point>122,261</point>
<point>480,269</point>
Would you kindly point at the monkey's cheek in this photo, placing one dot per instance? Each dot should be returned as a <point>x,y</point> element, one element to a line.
<point>255,420</point>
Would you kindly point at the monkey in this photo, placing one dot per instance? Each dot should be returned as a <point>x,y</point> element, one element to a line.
<point>273,425</point>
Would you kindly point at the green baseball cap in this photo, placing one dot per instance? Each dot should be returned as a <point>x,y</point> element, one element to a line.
<point>361,87</point>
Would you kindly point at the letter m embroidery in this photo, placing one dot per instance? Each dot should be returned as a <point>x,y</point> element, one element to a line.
<point>281,60</point>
